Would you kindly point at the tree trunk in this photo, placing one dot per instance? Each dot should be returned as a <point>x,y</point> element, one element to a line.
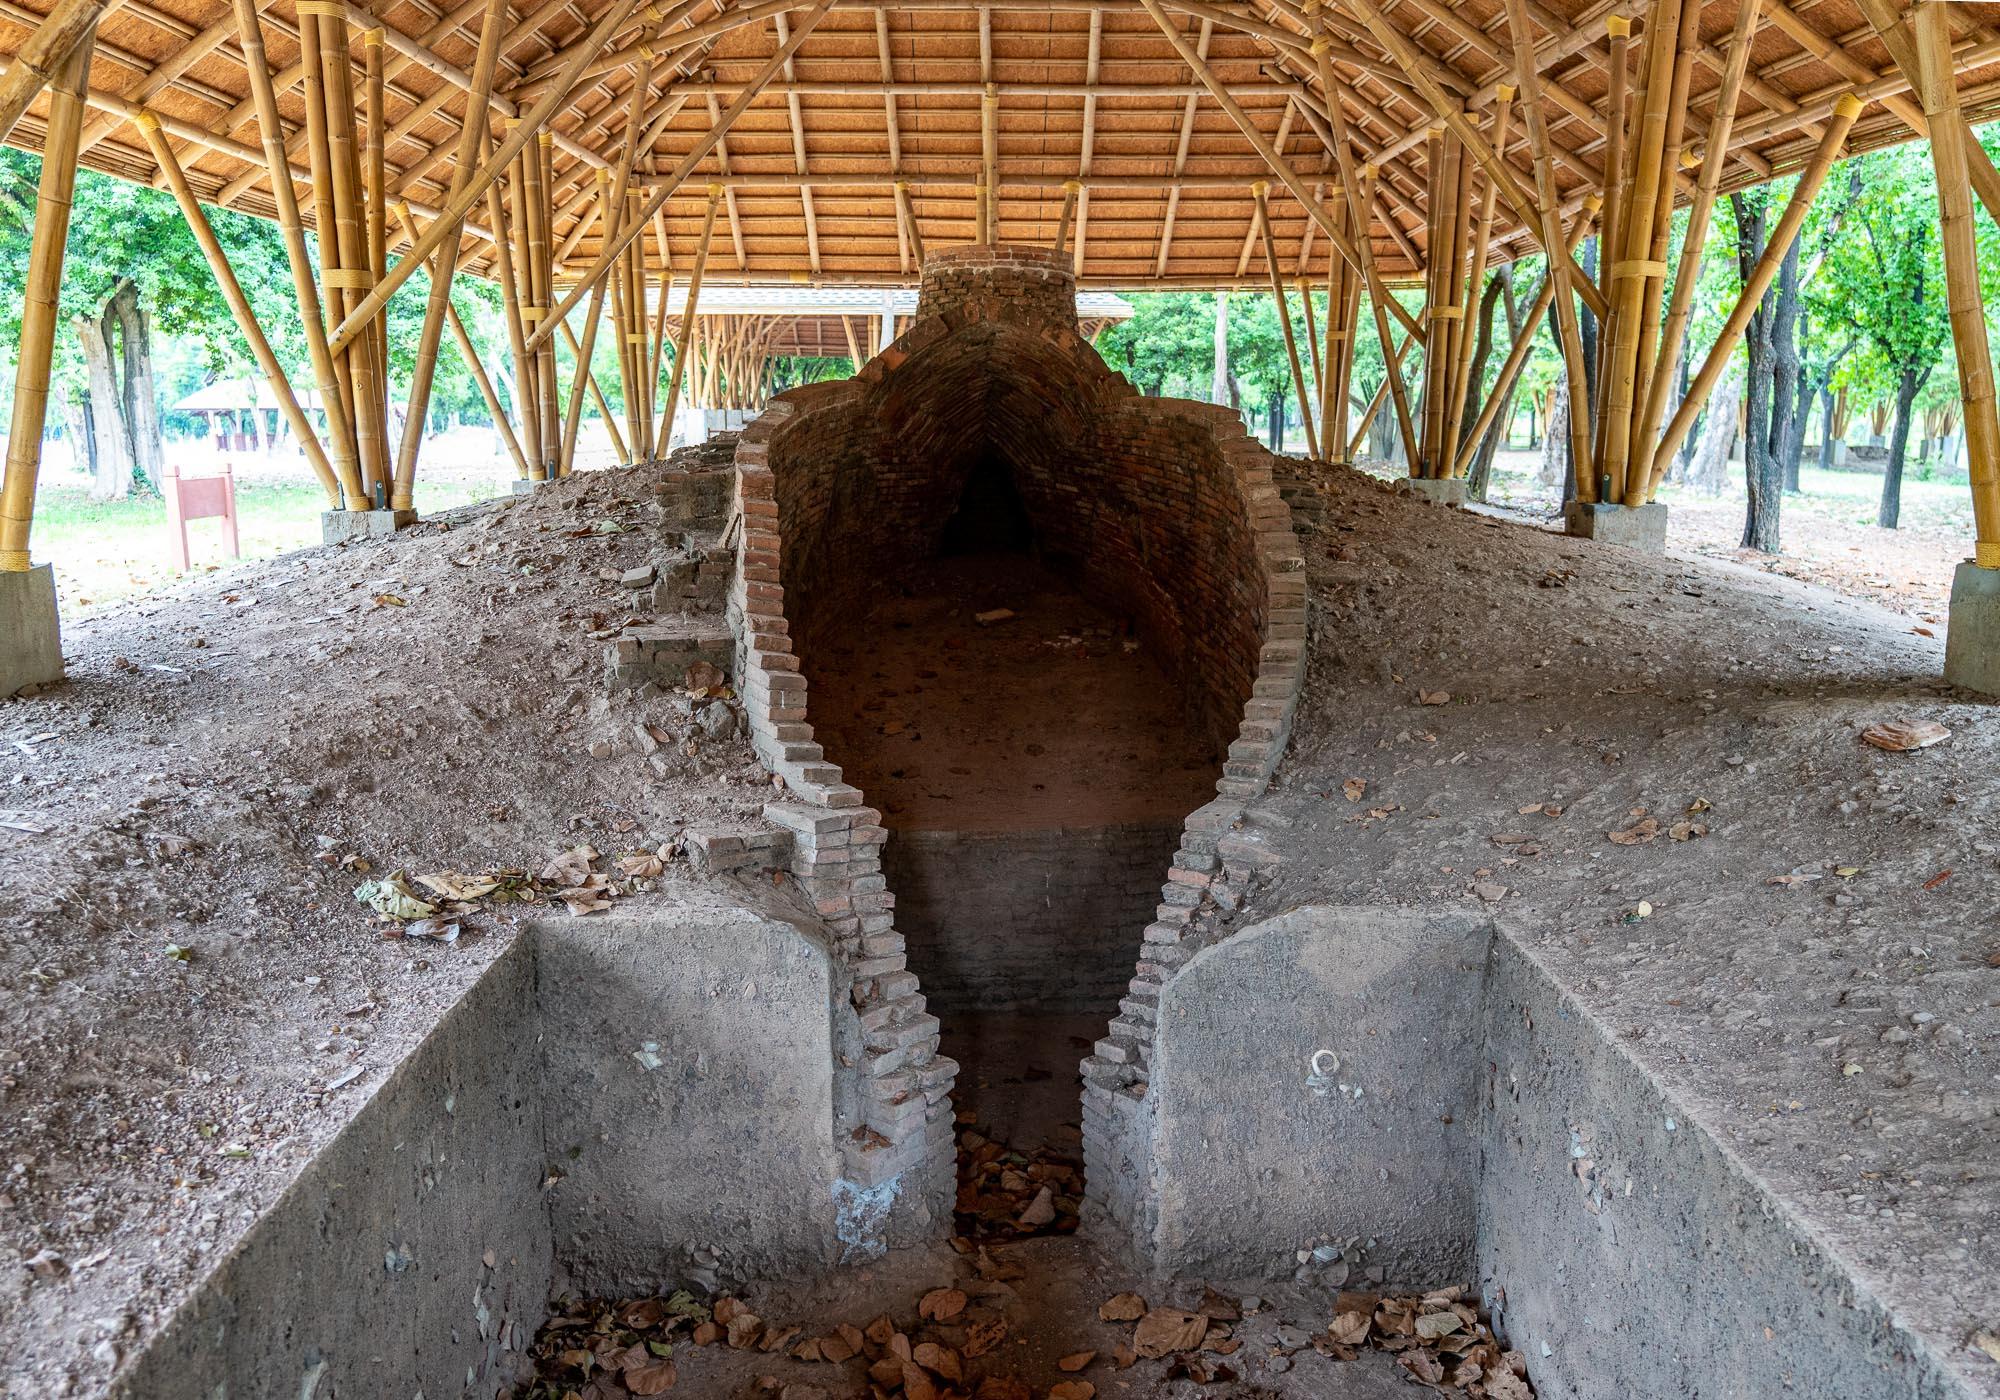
<point>1762,474</point>
<point>1218,384</point>
<point>1787,404</point>
<point>1555,437</point>
<point>1274,420</point>
<point>1907,389</point>
<point>110,455</point>
<point>1479,475</point>
<point>137,397</point>
<point>1709,463</point>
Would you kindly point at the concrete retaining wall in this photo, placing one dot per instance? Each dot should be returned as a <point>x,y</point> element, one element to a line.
<point>687,1091</point>
<point>1002,920</point>
<point>1626,1252</point>
<point>1316,1087</point>
<point>369,1275</point>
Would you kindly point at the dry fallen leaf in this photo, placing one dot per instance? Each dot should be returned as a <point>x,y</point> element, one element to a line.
<point>1076,1361</point>
<point>1166,1330</point>
<point>1903,735</point>
<point>1637,834</point>
<point>941,1305</point>
<point>1355,788</point>
<point>653,1378</point>
<point>1433,697</point>
<point>1126,1307</point>
<point>1072,1390</point>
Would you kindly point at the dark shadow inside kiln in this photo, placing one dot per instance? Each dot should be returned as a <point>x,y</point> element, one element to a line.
<point>988,622</point>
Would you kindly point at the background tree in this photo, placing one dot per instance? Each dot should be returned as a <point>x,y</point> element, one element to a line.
<point>1885,282</point>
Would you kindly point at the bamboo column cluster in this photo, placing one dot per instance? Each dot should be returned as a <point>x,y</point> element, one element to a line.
<point>39,317</point>
<point>1343,314</point>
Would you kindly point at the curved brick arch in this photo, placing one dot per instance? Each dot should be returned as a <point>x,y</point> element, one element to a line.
<point>1165,506</point>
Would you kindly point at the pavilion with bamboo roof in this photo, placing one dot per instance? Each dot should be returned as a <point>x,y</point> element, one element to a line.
<point>623,148</point>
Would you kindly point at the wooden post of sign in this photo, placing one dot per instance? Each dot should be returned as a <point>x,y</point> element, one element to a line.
<point>43,289</point>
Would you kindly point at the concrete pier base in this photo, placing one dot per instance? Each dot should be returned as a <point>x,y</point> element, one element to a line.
<point>1972,635</point>
<point>340,526</point>
<point>1643,528</point>
<point>30,631</point>
<point>1446,491</point>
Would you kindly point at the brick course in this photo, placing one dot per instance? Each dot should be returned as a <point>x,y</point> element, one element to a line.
<point>1165,508</point>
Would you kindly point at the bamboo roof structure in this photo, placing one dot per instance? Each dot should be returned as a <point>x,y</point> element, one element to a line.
<point>880,126</point>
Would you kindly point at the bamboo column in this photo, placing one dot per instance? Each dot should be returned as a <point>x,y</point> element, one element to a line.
<point>39,315</point>
<point>684,344</point>
<point>1561,262</point>
<point>1475,286</point>
<point>1647,465</point>
<point>614,211</point>
<point>618,444</point>
<point>333,404</point>
<point>1071,188</point>
<point>1261,193</point>
<point>239,306</point>
<point>1961,273</point>
<point>1761,276</point>
<point>485,64</point>
<point>69,26</point>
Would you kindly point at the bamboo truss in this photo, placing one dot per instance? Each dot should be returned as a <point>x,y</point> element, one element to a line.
<point>570,151</point>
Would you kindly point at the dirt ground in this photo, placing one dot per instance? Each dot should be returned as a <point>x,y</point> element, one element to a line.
<point>1054,714</point>
<point>192,998</point>
<point>186,978</point>
<point>1037,1302</point>
<point>1654,769</point>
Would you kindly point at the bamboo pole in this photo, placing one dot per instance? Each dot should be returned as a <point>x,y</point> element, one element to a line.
<point>340,431</point>
<point>1261,193</point>
<point>374,177</point>
<point>1564,274</point>
<point>239,306</point>
<point>1761,277</point>
<point>1266,151</point>
<point>1312,341</point>
<point>1475,286</point>
<point>1453,116</point>
<point>470,354</point>
<point>1895,35</point>
<point>525,130</point>
<point>41,55</point>
<point>1356,188</point>
<point>1071,189</point>
<point>614,211</point>
<point>1380,396</point>
<point>1949,138</point>
<point>1619,31</point>
<point>1638,457</point>
<point>1516,358</point>
<point>685,342</point>
<point>1648,466</point>
<point>618,444</point>
<point>39,299</point>
<point>694,157</point>
<point>424,372</point>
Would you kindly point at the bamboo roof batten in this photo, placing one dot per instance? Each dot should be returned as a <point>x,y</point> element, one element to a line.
<point>843,139</point>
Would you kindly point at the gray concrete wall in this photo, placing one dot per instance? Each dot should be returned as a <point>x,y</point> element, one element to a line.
<point>688,1100</point>
<point>1050,919</point>
<point>368,1276</point>
<point>1316,1084</point>
<point>1627,1253</point>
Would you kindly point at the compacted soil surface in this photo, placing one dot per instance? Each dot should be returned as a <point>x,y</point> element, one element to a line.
<point>1654,772</point>
<point>985,694</point>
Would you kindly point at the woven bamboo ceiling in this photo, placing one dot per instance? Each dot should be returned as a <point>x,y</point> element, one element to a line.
<point>921,100</point>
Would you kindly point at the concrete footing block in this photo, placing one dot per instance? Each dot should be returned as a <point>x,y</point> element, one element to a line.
<point>1972,634</point>
<point>30,631</point>
<point>1643,528</point>
<point>340,526</point>
<point>1446,491</point>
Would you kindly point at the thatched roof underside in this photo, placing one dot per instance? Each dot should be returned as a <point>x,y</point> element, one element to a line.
<point>1081,89</point>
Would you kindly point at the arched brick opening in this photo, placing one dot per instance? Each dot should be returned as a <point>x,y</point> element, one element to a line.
<point>991,437</point>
